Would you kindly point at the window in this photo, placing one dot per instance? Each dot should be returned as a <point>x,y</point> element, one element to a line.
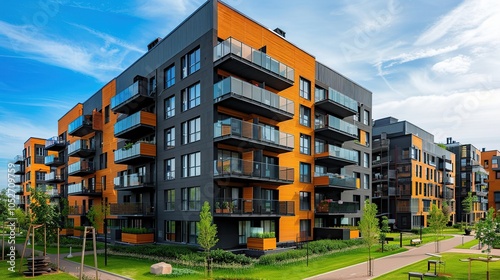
<point>39,151</point>
<point>169,76</point>
<point>305,116</point>
<point>494,163</point>
<point>366,160</point>
<point>305,172</point>
<point>170,230</point>
<point>305,144</point>
<point>103,161</point>
<point>103,182</point>
<point>191,97</point>
<point>169,107</point>
<point>170,169</point>
<point>497,174</point>
<point>243,231</point>
<point>152,86</point>
<point>305,201</point>
<point>319,146</point>
<point>366,183</point>
<point>191,131</point>
<point>106,114</point>
<point>190,63</point>
<point>305,89</point>
<point>190,198</point>
<point>191,165</point>
<point>319,94</point>
<point>366,117</point>
<point>305,229</point>
<point>170,200</point>
<point>39,176</point>
<point>170,138</point>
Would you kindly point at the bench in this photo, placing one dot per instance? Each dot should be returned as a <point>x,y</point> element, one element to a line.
<point>415,241</point>
<point>416,275</point>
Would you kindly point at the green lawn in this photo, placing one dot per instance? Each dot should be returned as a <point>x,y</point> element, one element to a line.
<point>6,274</point>
<point>139,269</point>
<point>407,237</point>
<point>454,268</point>
<point>468,245</point>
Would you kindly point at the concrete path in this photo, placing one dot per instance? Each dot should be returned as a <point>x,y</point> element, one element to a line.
<point>393,262</point>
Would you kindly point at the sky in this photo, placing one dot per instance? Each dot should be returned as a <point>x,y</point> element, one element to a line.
<point>432,63</point>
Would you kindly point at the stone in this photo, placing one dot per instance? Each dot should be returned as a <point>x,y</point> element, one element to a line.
<point>161,268</point>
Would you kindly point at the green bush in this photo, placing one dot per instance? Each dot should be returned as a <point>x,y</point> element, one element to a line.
<point>264,235</point>
<point>224,257</point>
<point>424,230</point>
<point>390,248</point>
<point>162,251</point>
<point>136,230</point>
<point>284,256</point>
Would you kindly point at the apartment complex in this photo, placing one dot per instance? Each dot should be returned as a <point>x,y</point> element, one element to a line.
<point>490,160</point>
<point>30,170</point>
<point>410,173</point>
<point>470,177</point>
<point>222,110</point>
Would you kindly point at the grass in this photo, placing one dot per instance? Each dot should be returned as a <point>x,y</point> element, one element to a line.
<point>468,245</point>
<point>139,269</point>
<point>63,248</point>
<point>407,237</point>
<point>454,268</point>
<point>6,274</point>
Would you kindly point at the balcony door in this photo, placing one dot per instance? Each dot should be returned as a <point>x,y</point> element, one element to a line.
<point>270,167</point>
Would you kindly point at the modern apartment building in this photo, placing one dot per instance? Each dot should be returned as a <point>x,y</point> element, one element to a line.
<point>227,111</point>
<point>491,160</point>
<point>410,173</point>
<point>30,170</point>
<point>470,177</point>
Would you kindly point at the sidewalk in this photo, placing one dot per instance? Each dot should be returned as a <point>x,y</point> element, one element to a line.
<point>73,268</point>
<point>393,262</point>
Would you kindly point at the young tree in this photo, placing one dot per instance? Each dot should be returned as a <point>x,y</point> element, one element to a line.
<point>4,211</point>
<point>44,213</point>
<point>486,230</point>
<point>384,229</point>
<point>96,215</point>
<point>22,218</point>
<point>370,230</point>
<point>437,222</point>
<point>467,205</point>
<point>207,233</point>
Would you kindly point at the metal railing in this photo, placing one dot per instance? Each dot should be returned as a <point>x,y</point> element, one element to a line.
<point>337,124</point>
<point>130,180</point>
<point>253,169</point>
<point>131,208</point>
<point>242,206</point>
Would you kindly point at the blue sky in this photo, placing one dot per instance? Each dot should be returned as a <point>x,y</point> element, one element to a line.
<point>433,63</point>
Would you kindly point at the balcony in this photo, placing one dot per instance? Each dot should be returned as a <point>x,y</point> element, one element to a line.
<point>18,159</point>
<point>337,181</point>
<point>19,190</point>
<point>337,103</point>
<point>132,209</point>
<point>384,160</point>
<point>53,161</point>
<point>481,193</point>
<point>236,57</point>
<point>494,163</point>
<point>132,182</point>
<point>18,179</point>
<point>81,168</point>
<point>19,169</point>
<point>327,207</point>
<point>336,156</point>
<point>81,126</point>
<point>334,128</point>
<point>449,181</point>
<point>253,208</point>
<point>243,134</point>
<point>76,210</point>
<point>380,145</point>
<point>53,177</point>
<point>250,99</point>
<point>377,177</point>
<point>136,125</point>
<point>252,171</point>
<point>137,153</point>
<point>80,189</point>
<point>81,148</point>
<point>133,98</point>
<point>55,144</point>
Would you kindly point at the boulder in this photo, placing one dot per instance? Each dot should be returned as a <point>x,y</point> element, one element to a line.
<point>161,268</point>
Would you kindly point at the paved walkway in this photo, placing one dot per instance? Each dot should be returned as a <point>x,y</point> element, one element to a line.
<point>393,262</point>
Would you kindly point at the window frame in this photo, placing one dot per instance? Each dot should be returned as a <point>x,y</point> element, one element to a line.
<point>304,119</point>
<point>305,88</point>
<point>191,164</point>
<point>169,169</point>
<point>169,75</point>
<point>170,107</point>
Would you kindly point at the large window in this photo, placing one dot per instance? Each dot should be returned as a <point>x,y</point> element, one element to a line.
<point>305,201</point>
<point>170,76</point>
<point>170,230</point>
<point>169,107</point>
<point>191,131</point>
<point>170,169</point>
<point>191,165</point>
<point>190,63</point>
<point>305,172</point>
<point>366,160</point>
<point>170,200</point>
<point>170,138</point>
<point>190,198</point>
<point>366,117</point>
<point>191,97</point>
<point>366,183</point>
<point>305,89</point>
<point>305,229</point>
<point>305,144</point>
<point>305,116</point>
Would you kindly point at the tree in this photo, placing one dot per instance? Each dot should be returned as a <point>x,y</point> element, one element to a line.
<point>207,233</point>
<point>96,216</point>
<point>370,230</point>
<point>4,211</point>
<point>467,204</point>
<point>44,213</point>
<point>22,218</point>
<point>384,229</point>
<point>486,230</point>
<point>437,222</point>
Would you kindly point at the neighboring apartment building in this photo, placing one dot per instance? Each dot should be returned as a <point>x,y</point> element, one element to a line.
<point>491,160</point>
<point>30,170</point>
<point>470,177</point>
<point>227,111</point>
<point>410,173</point>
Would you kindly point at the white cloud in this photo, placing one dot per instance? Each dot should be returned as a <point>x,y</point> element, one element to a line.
<point>459,64</point>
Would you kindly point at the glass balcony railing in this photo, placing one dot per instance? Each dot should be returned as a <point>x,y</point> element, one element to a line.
<point>238,87</point>
<point>235,167</point>
<point>53,176</point>
<point>243,206</point>
<point>340,99</point>
<point>80,188</point>
<point>131,180</point>
<point>125,95</point>
<point>53,160</point>
<point>81,145</point>
<point>256,57</point>
<point>136,93</point>
<point>330,206</point>
<point>131,208</point>
<point>55,143</point>
<point>19,169</point>
<point>78,123</point>
<point>18,159</point>
<point>81,166</point>
<point>341,153</point>
<point>338,180</point>
<point>241,129</point>
<point>338,124</point>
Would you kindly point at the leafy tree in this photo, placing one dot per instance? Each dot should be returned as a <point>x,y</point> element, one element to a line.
<point>96,216</point>
<point>207,233</point>
<point>467,204</point>
<point>384,229</point>
<point>437,222</point>
<point>4,211</point>
<point>22,218</point>
<point>44,213</point>
<point>370,230</point>
<point>486,230</point>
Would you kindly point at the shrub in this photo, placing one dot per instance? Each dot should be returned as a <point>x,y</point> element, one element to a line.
<point>424,230</point>
<point>264,235</point>
<point>390,248</point>
<point>162,251</point>
<point>136,230</point>
<point>224,257</point>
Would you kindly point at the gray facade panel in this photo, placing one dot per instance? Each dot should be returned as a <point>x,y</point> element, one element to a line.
<point>94,102</point>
